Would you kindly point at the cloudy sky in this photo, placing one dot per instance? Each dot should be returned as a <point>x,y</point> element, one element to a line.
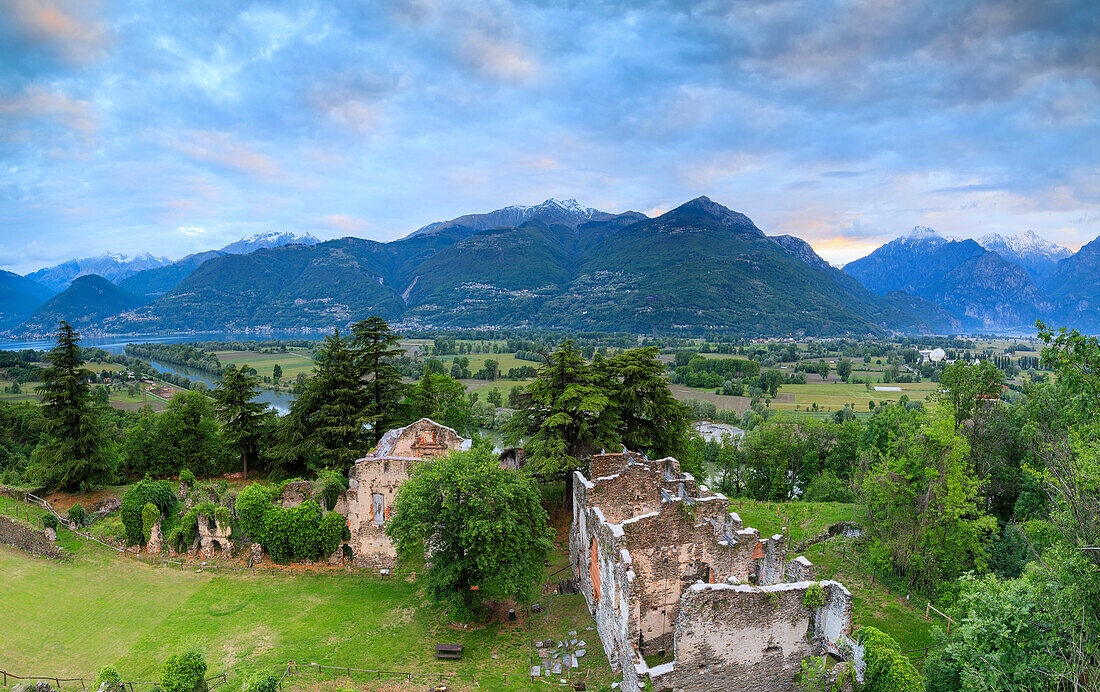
<point>132,126</point>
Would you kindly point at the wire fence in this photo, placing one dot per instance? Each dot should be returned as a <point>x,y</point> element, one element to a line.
<point>211,682</point>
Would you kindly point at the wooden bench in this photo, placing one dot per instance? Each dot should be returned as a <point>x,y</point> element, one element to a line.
<point>448,651</point>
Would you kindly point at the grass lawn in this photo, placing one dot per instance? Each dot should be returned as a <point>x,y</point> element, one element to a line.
<point>68,619</point>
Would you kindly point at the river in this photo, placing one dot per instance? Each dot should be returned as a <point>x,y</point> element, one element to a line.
<point>278,401</point>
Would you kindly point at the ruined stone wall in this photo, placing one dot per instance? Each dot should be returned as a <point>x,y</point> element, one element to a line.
<point>33,541</point>
<point>424,439</point>
<point>753,638</point>
<point>628,493</point>
<point>369,478</point>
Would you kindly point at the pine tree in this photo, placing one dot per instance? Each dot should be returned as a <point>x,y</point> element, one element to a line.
<point>376,347</point>
<point>648,417</point>
<point>242,417</point>
<point>74,453</point>
<point>565,415</point>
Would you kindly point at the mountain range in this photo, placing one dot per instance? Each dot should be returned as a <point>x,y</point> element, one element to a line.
<point>700,267</point>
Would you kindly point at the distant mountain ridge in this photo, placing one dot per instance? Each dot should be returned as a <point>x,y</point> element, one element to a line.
<point>567,212</point>
<point>982,286</point>
<point>260,241</point>
<point>112,266</point>
<point>698,267</point>
<point>1038,257</point>
<point>19,296</point>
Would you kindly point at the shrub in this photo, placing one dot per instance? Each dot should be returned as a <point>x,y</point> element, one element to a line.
<point>329,485</point>
<point>275,535</point>
<point>206,509</point>
<point>330,533</point>
<point>187,477</point>
<point>221,514</point>
<point>133,502</point>
<point>887,669</point>
<point>827,487</point>
<point>252,504</point>
<point>149,516</point>
<point>304,522</point>
<point>263,681</point>
<point>50,522</point>
<point>108,680</point>
<point>814,597</point>
<point>184,672</point>
<point>77,514</point>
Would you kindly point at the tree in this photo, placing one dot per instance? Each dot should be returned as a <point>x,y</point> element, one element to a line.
<point>648,416</point>
<point>887,670</point>
<point>443,399</point>
<point>74,451</point>
<point>965,387</point>
<point>495,398</point>
<point>565,416</point>
<point>277,373</point>
<point>184,672</point>
<point>844,368</point>
<point>488,530</point>
<point>377,348</point>
<point>242,417</point>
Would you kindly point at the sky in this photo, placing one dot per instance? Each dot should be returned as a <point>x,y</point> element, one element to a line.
<point>175,127</point>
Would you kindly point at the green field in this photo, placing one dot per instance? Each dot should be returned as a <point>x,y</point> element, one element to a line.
<point>68,619</point>
<point>292,362</point>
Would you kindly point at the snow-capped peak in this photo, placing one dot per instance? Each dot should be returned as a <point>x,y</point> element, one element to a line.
<point>922,232</point>
<point>1026,244</point>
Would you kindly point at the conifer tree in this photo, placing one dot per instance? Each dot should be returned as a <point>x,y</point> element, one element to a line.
<point>74,453</point>
<point>648,417</point>
<point>565,416</point>
<point>243,417</point>
<point>376,347</point>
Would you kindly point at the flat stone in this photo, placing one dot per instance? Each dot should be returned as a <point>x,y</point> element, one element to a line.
<point>557,668</point>
<point>573,633</point>
<point>581,643</point>
<point>580,652</point>
<point>535,671</point>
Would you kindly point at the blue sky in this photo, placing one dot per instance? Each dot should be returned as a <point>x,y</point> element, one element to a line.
<point>175,127</point>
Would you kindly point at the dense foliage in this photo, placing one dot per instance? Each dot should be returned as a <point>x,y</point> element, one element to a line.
<point>488,530</point>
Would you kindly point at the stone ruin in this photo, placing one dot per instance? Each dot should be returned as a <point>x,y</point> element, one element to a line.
<point>669,571</point>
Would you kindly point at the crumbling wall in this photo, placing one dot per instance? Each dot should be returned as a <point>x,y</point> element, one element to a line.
<point>33,541</point>
<point>753,638</point>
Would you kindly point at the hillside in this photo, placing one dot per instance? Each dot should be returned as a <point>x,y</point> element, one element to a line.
<point>698,267</point>
<point>19,296</point>
<point>157,282</point>
<point>1074,287</point>
<point>1038,257</point>
<point>88,301</point>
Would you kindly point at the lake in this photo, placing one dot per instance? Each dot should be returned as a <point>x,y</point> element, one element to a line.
<point>279,401</point>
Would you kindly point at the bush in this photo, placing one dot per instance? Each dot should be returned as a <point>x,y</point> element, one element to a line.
<point>814,596</point>
<point>77,514</point>
<point>827,488</point>
<point>263,681</point>
<point>187,477</point>
<point>108,680</point>
<point>184,672</point>
<point>50,522</point>
<point>133,502</point>
<point>252,504</point>
<point>887,669</point>
<point>149,516</point>
<point>330,533</point>
<point>221,514</point>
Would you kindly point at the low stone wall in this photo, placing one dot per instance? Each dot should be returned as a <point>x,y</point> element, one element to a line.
<point>31,540</point>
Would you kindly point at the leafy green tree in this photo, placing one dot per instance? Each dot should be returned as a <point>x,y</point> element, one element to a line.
<point>887,670</point>
<point>495,398</point>
<point>488,530</point>
<point>922,509</point>
<point>74,452</point>
<point>377,348</point>
<point>964,387</point>
<point>565,416</point>
<point>844,368</point>
<point>242,417</point>
<point>184,672</point>
<point>277,373</point>
<point>443,399</point>
<point>648,417</point>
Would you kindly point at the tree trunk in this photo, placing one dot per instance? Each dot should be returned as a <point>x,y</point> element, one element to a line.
<point>244,463</point>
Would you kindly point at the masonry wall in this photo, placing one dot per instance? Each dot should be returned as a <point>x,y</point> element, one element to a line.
<point>752,638</point>
<point>26,538</point>
<point>370,545</point>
